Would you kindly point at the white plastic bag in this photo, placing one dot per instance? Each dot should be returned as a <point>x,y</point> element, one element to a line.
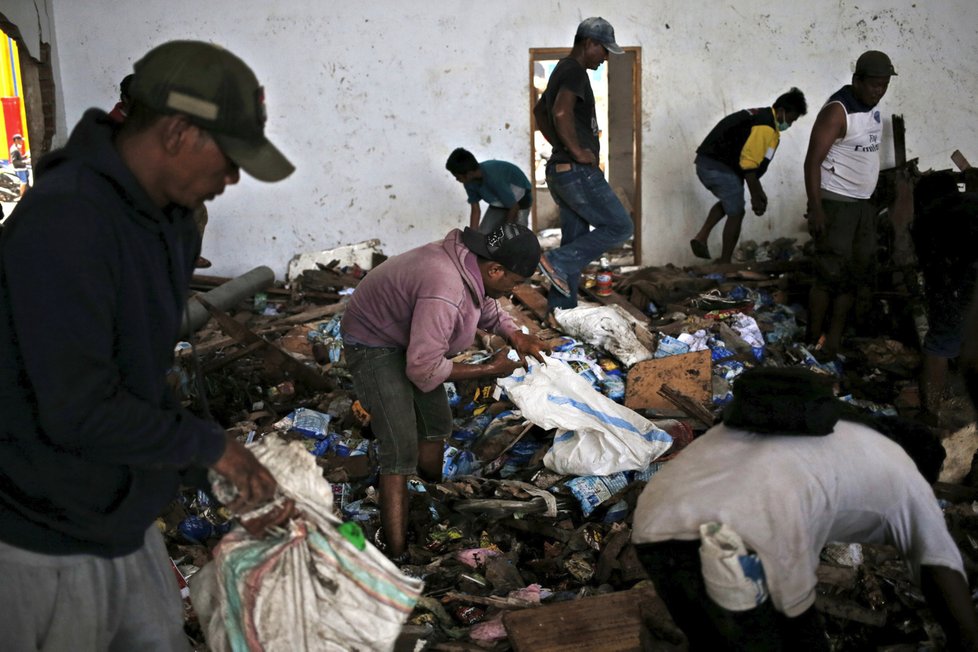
<point>308,589</point>
<point>734,579</point>
<point>595,435</point>
<point>606,327</point>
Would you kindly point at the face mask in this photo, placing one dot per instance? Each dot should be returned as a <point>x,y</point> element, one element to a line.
<point>783,126</point>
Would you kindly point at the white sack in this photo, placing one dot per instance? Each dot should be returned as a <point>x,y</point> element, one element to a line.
<point>606,327</point>
<point>309,588</point>
<point>734,579</point>
<point>595,435</point>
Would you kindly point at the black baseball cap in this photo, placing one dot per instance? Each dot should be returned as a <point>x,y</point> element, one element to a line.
<point>513,246</point>
<point>874,63</point>
<point>601,31</point>
<point>218,92</point>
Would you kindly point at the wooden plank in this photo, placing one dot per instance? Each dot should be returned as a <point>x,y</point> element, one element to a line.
<point>274,355</point>
<point>315,313</point>
<point>849,610</point>
<point>689,406</point>
<point>899,140</point>
<point>532,299</point>
<point>611,622</point>
<point>690,373</point>
<point>616,299</point>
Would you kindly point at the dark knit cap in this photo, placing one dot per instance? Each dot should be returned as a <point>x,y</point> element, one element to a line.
<point>783,401</point>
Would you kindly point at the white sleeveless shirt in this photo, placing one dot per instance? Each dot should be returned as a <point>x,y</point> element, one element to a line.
<point>852,165</point>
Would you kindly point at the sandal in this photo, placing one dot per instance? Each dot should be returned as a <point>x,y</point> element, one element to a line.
<point>556,281</point>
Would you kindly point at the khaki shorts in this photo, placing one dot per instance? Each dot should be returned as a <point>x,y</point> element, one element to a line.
<point>845,253</point>
<point>401,415</point>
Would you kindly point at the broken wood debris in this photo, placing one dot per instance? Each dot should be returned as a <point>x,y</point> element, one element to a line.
<point>584,569</point>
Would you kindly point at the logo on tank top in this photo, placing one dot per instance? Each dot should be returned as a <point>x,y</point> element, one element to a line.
<point>873,146</point>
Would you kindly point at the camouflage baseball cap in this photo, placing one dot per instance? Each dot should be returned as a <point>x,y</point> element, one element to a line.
<point>218,92</point>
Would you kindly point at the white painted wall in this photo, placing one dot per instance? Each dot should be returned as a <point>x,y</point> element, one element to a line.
<point>368,98</point>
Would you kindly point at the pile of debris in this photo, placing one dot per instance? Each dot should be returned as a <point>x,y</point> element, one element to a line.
<point>514,554</point>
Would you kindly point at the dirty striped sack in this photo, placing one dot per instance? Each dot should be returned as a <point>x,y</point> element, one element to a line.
<point>315,586</point>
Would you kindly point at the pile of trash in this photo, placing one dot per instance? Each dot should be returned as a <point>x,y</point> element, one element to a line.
<point>531,512</point>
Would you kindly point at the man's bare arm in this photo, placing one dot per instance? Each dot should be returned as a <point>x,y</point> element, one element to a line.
<point>830,125</point>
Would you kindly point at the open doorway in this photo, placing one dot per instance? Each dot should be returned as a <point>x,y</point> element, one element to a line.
<point>617,99</point>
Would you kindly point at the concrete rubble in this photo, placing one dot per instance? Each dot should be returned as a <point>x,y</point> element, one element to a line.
<point>514,555</point>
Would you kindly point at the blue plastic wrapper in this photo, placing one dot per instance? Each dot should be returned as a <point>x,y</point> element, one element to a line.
<point>877,409</point>
<point>669,345</point>
<point>739,293</point>
<point>729,369</point>
<point>718,353</point>
<point>352,446</point>
<point>360,511</point>
<point>331,328</point>
<point>562,344</point>
<point>616,512</point>
<point>310,423</point>
<point>716,276</point>
<point>592,490</point>
<point>448,467</point>
<point>472,428</point>
<point>614,387</point>
<point>203,500</point>
<point>758,352</point>
<point>646,474</point>
<point>453,398</point>
<point>518,457</point>
<point>722,399</point>
<point>322,446</point>
<point>195,529</point>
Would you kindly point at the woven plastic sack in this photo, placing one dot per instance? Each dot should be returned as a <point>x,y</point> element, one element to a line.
<point>595,435</point>
<point>310,588</point>
<point>733,577</point>
<point>609,328</point>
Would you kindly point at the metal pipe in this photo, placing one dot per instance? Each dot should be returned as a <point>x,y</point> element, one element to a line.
<point>227,296</point>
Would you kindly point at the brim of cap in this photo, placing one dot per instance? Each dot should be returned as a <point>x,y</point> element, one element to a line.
<point>475,241</point>
<point>262,160</point>
<point>613,48</point>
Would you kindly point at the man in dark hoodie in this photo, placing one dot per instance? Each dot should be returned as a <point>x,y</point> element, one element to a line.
<point>95,265</point>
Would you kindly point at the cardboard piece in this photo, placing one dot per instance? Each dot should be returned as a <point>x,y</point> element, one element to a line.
<point>690,373</point>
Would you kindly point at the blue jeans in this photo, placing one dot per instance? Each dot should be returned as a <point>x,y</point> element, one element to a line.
<point>592,221</point>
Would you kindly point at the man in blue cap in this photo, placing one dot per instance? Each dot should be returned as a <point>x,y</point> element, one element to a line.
<point>592,218</point>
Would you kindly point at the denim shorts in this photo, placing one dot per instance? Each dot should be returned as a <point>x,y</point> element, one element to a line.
<point>401,415</point>
<point>948,297</point>
<point>725,184</point>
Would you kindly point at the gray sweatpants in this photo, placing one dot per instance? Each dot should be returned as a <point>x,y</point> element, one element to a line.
<point>85,603</point>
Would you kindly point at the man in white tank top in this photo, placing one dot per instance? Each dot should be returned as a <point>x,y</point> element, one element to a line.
<point>841,170</point>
